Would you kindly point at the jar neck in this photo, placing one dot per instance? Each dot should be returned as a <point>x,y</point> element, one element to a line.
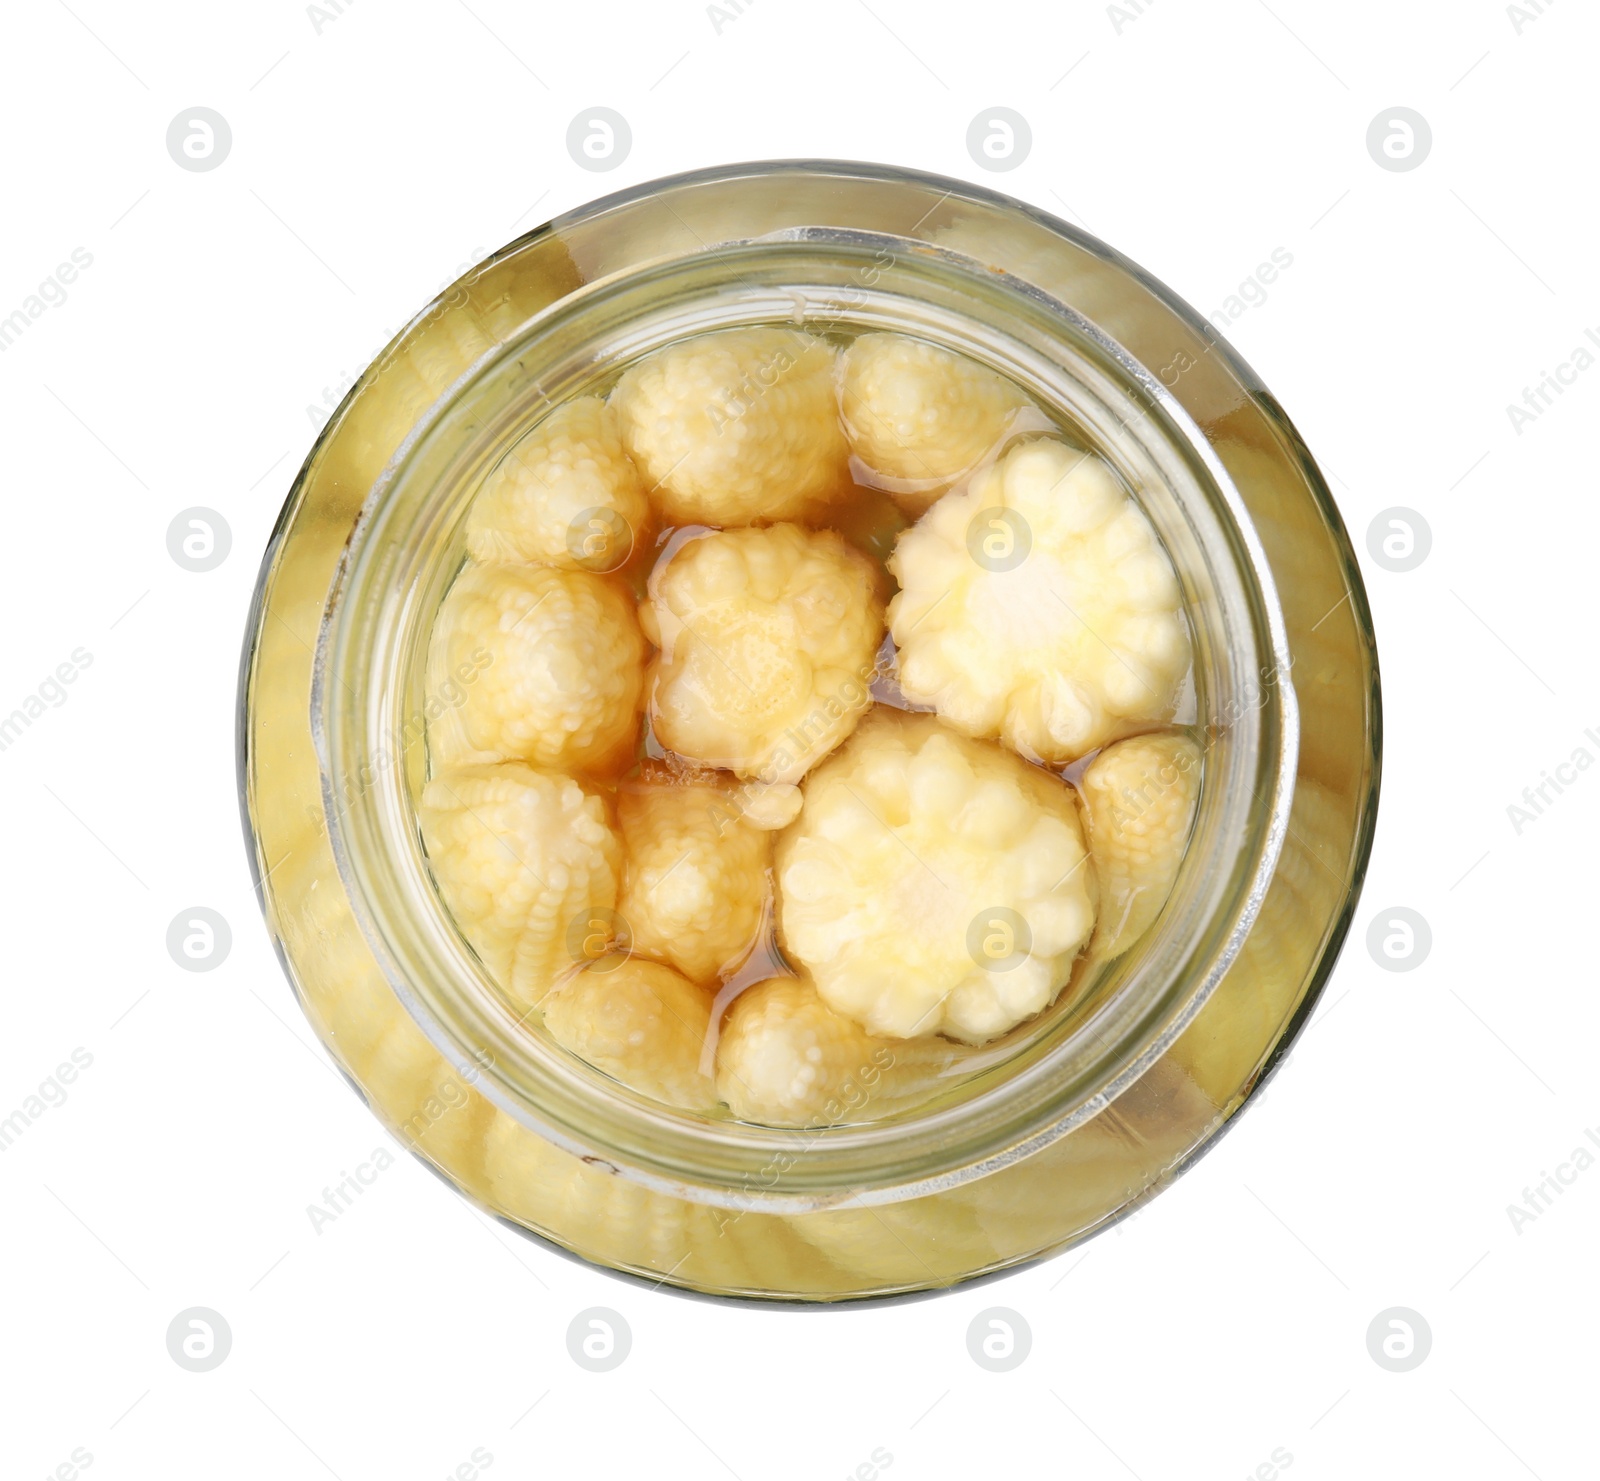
<point>407,547</point>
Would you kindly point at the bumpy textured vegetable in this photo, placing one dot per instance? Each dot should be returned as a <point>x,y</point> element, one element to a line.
<point>520,855</point>
<point>1037,606</point>
<point>642,1023</point>
<point>1139,798</point>
<point>736,427</point>
<point>919,416</point>
<point>768,640</point>
<point>934,883</point>
<point>566,495</point>
<point>694,880</point>
<point>785,1058</point>
<point>534,664</point>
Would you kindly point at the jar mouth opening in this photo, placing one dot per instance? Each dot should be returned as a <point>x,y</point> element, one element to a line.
<point>406,548</point>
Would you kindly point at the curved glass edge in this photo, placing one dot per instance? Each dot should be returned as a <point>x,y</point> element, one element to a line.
<point>403,900</point>
<point>293,584</point>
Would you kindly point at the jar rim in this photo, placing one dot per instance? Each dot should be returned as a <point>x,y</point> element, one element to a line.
<point>671,1141</point>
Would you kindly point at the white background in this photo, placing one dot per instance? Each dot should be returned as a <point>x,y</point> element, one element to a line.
<point>378,152</point>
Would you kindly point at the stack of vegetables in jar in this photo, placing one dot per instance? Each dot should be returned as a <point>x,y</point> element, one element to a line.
<point>804,722</point>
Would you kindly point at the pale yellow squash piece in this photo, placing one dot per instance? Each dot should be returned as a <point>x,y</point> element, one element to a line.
<point>523,859</point>
<point>933,883</point>
<point>768,641</point>
<point>642,1023</point>
<point>736,427</point>
<point>920,417</point>
<point>785,1058</point>
<point>694,875</point>
<point>534,664</point>
<point>1038,607</point>
<point>1139,798</point>
<point>566,495</point>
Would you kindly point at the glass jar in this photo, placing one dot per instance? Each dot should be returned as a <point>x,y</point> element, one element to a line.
<point>1101,1104</point>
